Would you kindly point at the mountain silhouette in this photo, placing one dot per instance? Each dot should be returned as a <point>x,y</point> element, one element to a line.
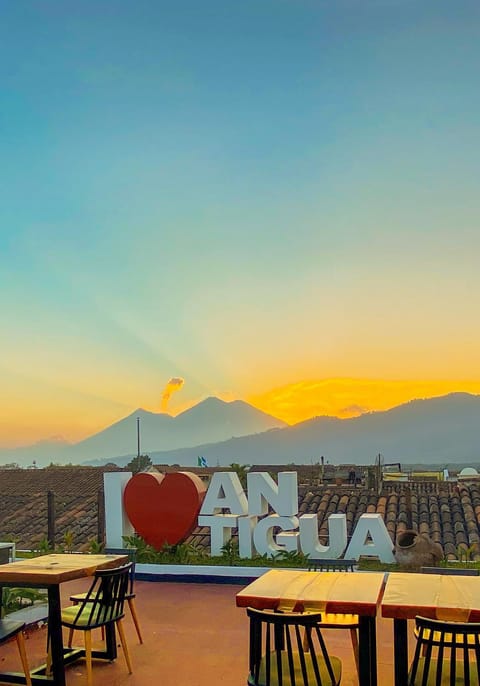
<point>433,431</point>
<point>210,421</point>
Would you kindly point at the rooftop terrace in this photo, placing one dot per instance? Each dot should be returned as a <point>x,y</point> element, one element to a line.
<point>193,635</point>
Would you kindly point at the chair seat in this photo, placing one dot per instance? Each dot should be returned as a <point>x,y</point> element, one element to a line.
<point>431,681</point>
<point>325,677</point>
<point>8,628</point>
<point>103,615</point>
<point>78,597</point>
<point>331,620</point>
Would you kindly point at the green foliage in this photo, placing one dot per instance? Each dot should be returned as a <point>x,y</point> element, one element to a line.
<point>68,538</point>
<point>44,547</point>
<point>145,553</point>
<point>230,552</point>
<point>241,470</point>
<point>139,464</point>
<point>95,547</point>
<point>187,553</point>
<point>466,554</point>
<point>178,554</point>
<point>14,599</point>
<point>293,557</point>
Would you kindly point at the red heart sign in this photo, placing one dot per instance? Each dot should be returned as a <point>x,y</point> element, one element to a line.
<point>164,508</point>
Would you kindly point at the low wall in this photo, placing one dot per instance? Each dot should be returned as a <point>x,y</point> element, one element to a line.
<point>199,573</point>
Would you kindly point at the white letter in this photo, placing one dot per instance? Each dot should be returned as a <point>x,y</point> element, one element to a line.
<point>337,536</point>
<point>246,526</point>
<point>263,491</point>
<point>263,534</point>
<point>220,530</point>
<point>225,492</point>
<point>371,526</point>
<point>117,523</point>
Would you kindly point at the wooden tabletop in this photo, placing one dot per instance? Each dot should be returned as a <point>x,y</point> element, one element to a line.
<point>352,593</point>
<point>54,569</point>
<point>437,596</point>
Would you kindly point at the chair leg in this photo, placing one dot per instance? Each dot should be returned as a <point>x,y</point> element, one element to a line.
<point>133,611</point>
<point>23,656</point>
<point>88,656</point>
<point>305,644</point>
<point>70,637</point>
<point>123,641</point>
<point>354,637</point>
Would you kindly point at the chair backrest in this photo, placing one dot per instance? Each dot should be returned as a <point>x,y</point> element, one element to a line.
<point>288,650</point>
<point>451,571</point>
<point>444,650</point>
<point>104,601</point>
<point>132,557</point>
<point>331,565</point>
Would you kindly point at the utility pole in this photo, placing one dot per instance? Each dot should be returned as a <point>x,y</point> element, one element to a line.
<point>138,436</point>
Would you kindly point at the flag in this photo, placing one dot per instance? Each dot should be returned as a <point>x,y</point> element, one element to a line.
<point>202,462</point>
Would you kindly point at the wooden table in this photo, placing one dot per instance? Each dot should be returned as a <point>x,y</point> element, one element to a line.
<point>49,571</point>
<point>437,596</point>
<point>352,593</point>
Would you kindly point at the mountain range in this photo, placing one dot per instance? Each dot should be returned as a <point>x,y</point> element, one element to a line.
<point>431,431</point>
<point>443,430</point>
<point>210,421</point>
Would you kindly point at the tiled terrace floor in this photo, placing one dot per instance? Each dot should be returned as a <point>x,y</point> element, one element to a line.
<point>193,635</point>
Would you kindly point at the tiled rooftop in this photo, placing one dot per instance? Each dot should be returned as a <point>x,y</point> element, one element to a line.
<point>78,494</point>
<point>448,512</point>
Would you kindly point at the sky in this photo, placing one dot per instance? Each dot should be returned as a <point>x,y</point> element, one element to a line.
<point>270,200</point>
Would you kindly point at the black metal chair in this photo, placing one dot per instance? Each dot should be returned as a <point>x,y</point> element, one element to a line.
<point>332,620</point>
<point>103,604</point>
<point>446,571</point>
<point>331,565</point>
<point>446,654</point>
<point>451,571</point>
<point>130,596</point>
<point>277,652</point>
<point>10,628</point>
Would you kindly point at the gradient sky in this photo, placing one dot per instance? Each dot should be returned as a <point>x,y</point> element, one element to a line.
<point>275,200</point>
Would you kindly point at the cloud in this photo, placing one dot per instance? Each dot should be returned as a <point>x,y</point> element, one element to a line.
<point>352,411</point>
<point>174,384</point>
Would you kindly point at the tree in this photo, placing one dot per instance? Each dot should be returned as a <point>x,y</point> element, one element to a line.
<point>241,471</point>
<point>139,464</point>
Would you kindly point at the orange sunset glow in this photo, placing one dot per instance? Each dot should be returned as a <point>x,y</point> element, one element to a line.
<point>275,203</point>
<point>349,397</point>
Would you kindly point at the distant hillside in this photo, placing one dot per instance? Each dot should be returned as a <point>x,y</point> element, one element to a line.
<point>42,453</point>
<point>436,430</point>
<point>210,421</point>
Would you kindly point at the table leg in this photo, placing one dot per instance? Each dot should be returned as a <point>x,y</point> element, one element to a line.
<point>400,650</point>
<point>367,648</point>
<point>55,635</point>
<point>110,642</point>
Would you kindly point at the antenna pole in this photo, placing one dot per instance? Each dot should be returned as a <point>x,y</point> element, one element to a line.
<point>138,436</point>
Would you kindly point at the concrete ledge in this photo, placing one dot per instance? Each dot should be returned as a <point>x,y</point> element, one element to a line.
<point>199,573</point>
<point>33,615</point>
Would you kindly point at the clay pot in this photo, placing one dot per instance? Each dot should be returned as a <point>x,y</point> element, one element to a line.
<point>414,550</point>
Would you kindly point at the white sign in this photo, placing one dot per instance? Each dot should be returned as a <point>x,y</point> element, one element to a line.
<point>267,520</point>
<point>227,507</point>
